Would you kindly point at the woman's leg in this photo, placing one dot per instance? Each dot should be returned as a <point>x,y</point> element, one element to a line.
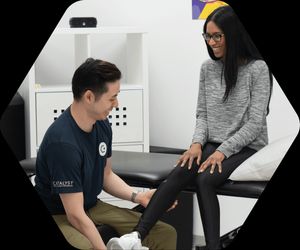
<point>206,184</point>
<point>164,197</point>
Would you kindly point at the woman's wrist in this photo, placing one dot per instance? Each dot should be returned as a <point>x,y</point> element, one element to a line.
<point>196,144</point>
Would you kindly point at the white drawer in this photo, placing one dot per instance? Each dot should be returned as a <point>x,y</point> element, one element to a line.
<point>49,106</point>
<point>126,120</point>
<point>132,148</point>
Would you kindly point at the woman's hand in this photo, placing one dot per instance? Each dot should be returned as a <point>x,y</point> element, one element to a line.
<point>214,159</point>
<point>195,151</point>
<point>143,198</point>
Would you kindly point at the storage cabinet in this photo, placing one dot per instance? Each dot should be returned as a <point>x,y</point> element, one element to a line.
<point>126,120</point>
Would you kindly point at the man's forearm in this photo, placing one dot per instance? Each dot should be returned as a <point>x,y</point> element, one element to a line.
<point>115,186</point>
<point>86,226</point>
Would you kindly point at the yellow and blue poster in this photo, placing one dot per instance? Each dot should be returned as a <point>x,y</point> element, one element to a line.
<point>202,8</point>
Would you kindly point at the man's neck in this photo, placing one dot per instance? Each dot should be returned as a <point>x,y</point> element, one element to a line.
<point>81,117</point>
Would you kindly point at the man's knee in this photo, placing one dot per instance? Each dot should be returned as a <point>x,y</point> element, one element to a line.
<point>71,234</point>
<point>77,240</point>
<point>162,237</point>
<point>169,231</point>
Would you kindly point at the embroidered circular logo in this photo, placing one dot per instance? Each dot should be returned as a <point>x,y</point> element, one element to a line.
<point>102,148</point>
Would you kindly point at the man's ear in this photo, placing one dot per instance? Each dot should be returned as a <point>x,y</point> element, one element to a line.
<point>89,96</point>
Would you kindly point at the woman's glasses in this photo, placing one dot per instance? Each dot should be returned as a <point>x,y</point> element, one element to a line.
<point>216,37</point>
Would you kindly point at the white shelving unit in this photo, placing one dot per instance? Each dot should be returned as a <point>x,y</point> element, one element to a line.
<point>130,122</point>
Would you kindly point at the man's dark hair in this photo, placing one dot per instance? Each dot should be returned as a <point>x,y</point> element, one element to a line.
<point>94,75</point>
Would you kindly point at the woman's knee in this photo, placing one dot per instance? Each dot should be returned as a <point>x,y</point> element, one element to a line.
<point>205,179</point>
<point>177,172</point>
<point>184,173</point>
<point>175,179</point>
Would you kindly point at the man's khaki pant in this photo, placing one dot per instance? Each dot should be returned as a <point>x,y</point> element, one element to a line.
<point>161,237</point>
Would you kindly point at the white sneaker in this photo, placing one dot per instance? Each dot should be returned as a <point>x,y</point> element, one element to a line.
<point>126,242</point>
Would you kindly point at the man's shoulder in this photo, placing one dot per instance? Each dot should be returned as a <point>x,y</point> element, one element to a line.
<point>60,131</point>
<point>105,126</point>
<point>59,126</point>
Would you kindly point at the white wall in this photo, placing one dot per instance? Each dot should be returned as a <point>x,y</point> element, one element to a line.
<point>176,51</point>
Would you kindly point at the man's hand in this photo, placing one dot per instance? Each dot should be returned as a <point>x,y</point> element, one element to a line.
<point>194,151</point>
<point>143,198</point>
<point>214,159</point>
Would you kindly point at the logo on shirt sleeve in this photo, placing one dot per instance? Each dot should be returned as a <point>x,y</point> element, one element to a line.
<point>102,148</point>
<point>62,183</point>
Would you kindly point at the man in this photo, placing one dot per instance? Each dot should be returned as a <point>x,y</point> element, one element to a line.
<point>74,164</point>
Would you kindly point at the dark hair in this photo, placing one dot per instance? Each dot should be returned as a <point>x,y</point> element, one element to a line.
<point>240,49</point>
<point>93,75</point>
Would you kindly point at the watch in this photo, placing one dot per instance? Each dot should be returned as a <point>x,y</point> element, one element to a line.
<point>133,196</point>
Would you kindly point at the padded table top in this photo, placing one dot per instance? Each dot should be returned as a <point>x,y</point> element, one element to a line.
<point>143,169</point>
<point>150,169</point>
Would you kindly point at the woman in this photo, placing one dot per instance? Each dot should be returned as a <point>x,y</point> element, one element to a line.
<point>234,95</point>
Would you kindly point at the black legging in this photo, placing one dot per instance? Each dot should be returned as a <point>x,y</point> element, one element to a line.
<point>205,183</point>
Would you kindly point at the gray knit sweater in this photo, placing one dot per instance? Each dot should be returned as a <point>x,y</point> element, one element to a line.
<point>241,120</point>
